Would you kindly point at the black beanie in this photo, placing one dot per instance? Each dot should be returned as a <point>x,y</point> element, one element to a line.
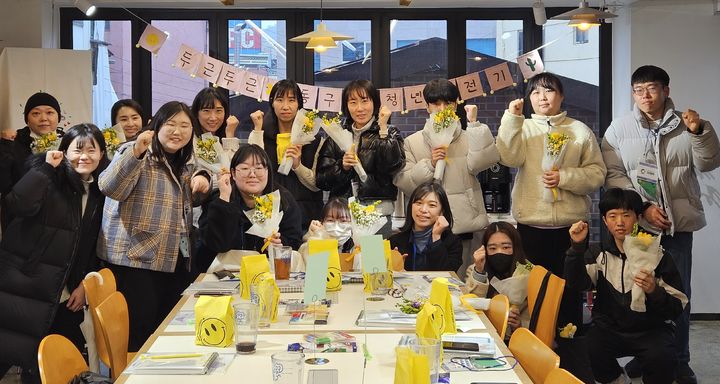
<point>39,99</point>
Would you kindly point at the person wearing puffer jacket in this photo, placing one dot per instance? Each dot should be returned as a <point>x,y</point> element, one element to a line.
<point>656,151</point>
<point>470,152</point>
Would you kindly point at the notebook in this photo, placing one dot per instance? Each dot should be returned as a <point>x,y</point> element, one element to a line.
<point>173,363</point>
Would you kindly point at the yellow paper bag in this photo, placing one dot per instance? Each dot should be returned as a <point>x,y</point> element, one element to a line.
<point>411,367</point>
<point>429,322</point>
<point>269,295</point>
<point>440,298</point>
<point>386,279</point>
<point>214,324</point>
<point>250,269</point>
<point>334,275</point>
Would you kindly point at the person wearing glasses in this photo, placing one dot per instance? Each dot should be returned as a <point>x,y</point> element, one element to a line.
<point>656,151</point>
<point>223,223</point>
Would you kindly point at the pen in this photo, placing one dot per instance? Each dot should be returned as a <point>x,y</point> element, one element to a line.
<point>175,356</point>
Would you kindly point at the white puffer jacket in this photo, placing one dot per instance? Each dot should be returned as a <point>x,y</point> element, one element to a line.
<point>679,154</point>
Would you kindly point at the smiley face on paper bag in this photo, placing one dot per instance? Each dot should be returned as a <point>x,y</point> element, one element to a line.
<point>212,331</point>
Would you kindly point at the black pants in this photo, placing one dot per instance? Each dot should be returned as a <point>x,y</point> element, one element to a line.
<point>67,323</point>
<point>150,295</point>
<point>654,348</point>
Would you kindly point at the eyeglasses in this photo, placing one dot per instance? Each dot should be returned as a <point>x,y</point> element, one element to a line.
<point>653,89</point>
<point>246,171</point>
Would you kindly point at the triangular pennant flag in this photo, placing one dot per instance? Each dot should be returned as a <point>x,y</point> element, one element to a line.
<point>531,64</point>
<point>152,39</point>
<point>499,76</point>
<point>392,98</point>
<point>187,59</point>
<point>269,84</point>
<point>469,86</point>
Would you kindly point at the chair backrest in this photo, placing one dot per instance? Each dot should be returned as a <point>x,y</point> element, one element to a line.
<point>114,323</point>
<point>498,313</point>
<point>536,358</point>
<point>59,360</point>
<point>561,376</point>
<point>547,318</point>
<point>96,293</point>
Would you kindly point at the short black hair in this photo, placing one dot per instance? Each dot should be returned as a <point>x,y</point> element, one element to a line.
<point>440,90</point>
<point>364,88</point>
<point>545,80</point>
<point>335,204</point>
<point>206,99</point>
<point>86,133</point>
<point>421,191</point>
<point>650,74</point>
<point>617,198</point>
<point>130,103</point>
<point>247,151</point>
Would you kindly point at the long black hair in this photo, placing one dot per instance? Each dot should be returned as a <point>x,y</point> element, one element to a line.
<point>205,99</point>
<point>363,88</point>
<point>421,191</point>
<point>165,113</point>
<point>518,250</point>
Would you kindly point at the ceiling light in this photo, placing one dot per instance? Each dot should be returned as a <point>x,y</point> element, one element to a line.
<point>321,38</point>
<point>584,17</point>
<point>539,12</point>
<point>85,6</point>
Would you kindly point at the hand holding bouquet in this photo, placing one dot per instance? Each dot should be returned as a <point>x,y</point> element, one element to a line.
<point>439,130</point>
<point>114,138</point>
<point>643,251</point>
<point>515,286</point>
<point>304,129</point>
<point>555,144</point>
<point>265,217</point>
<point>344,139</point>
<point>365,220</point>
<point>210,154</point>
<point>47,142</point>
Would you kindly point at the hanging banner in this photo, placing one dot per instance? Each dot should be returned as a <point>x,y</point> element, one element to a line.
<point>209,69</point>
<point>251,85</point>
<point>414,97</point>
<point>530,64</point>
<point>187,59</point>
<point>329,99</point>
<point>499,76</point>
<point>309,95</point>
<point>152,39</point>
<point>267,88</point>
<point>469,86</point>
<point>229,78</point>
<point>392,98</point>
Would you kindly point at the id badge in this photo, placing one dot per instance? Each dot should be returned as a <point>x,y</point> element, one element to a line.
<point>647,178</point>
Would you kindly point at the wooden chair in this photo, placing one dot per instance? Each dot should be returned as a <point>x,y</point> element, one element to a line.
<point>561,376</point>
<point>498,313</point>
<point>536,358</point>
<point>547,319</point>
<point>113,318</point>
<point>96,291</point>
<point>59,360</point>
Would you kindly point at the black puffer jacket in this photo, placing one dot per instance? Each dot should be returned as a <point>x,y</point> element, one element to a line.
<point>46,247</point>
<point>381,159</point>
<point>310,202</point>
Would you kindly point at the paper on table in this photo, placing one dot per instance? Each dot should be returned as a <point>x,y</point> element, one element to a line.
<point>373,251</point>
<point>315,277</point>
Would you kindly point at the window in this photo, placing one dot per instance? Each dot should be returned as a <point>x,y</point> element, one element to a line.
<point>170,83</point>
<point>258,46</point>
<point>111,49</point>
<point>351,60</point>
<point>418,54</point>
<point>581,37</point>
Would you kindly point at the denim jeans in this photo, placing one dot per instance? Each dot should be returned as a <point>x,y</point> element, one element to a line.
<point>679,246</point>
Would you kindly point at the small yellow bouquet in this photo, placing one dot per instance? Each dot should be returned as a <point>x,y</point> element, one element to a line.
<point>47,142</point>
<point>643,251</point>
<point>365,220</point>
<point>303,131</point>
<point>210,155</point>
<point>344,139</point>
<point>265,217</point>
<point>555,144</point>
<point>114,138</point>
<point>439,131</point>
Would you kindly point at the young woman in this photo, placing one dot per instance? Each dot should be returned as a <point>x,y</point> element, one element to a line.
<point>335,224</point>
<point>129,114</point>
<point>145,235</point>
<point>499,256</point>
<point>212,110</point>
<point>470,152</point>
<point>49,247</point>
<point>223,223</point>
<point>273,134</point>
<point>378,148</point>
<point>426,238</point>
<point>42,115</point>
<point>521,142</point>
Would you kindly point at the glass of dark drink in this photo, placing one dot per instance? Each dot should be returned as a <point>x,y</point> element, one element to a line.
<point>246,327</point>
<point>282,257</point>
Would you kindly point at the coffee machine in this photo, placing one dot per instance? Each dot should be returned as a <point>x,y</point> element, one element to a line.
<point>495,182</point>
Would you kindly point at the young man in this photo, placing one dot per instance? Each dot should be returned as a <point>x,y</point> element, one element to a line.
<point>655,150</point>
<point>617,329</point>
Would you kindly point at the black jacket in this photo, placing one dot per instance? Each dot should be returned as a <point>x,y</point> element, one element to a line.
<point>381,159</point>
<point>13,154</point>
<point>223,225</point>
<point>46,247</point>
<point>310,202</point>
<point>611,308</point>
<point>442,255</point>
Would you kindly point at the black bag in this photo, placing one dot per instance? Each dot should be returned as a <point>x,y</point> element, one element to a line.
<point>88,377</point>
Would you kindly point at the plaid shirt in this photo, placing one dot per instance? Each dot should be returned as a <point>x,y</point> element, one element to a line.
<point>147,212</point>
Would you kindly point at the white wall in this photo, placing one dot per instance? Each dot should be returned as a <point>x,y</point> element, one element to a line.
<point>28,24</point>
<point>683,40</point>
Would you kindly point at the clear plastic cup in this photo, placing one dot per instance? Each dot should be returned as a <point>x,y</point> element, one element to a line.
<point>246,327</point>
<point>287,367</point>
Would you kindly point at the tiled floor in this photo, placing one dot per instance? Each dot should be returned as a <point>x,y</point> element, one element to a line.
<point>704,352</point>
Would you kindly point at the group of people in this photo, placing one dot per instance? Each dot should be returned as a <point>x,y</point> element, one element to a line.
<point>156,217</point>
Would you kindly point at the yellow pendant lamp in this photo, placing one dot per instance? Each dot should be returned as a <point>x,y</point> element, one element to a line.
<point>321,39</point>
<point>584,17</point>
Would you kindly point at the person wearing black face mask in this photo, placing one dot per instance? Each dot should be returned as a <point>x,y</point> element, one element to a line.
<point>499,256</point>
